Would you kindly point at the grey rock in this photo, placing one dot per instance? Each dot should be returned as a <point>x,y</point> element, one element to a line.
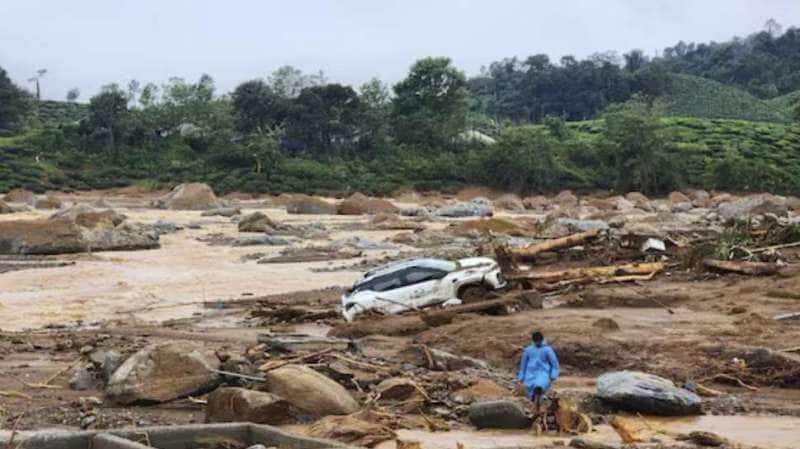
<point>83,379</point>
<point>751,205</point>
<point>499,414</point>
<point>268,240</point>
<point>583,225</point>
<point>635,391</point>
<point>221,212</point>
<point>682,207</point>
<point>256,222</point>
<point>415,212</point>
<point>477,207</point>
<point>106,362</point>
<point>362,243</point>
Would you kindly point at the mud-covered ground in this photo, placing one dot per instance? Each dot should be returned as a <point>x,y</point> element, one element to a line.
<point>685,324</point>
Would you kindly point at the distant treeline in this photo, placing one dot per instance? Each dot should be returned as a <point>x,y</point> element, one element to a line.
<point>512,127</point>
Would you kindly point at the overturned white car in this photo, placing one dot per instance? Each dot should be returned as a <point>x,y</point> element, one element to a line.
<point>416,283</point>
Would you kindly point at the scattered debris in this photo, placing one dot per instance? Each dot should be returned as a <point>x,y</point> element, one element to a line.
<point>743,267</point>
<point>231,404</point>
<point>350,429</point>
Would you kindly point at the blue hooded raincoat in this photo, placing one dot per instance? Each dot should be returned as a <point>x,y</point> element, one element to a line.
<point>538,367</point>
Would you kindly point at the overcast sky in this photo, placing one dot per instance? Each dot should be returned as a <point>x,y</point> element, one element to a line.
<point>88,43</point>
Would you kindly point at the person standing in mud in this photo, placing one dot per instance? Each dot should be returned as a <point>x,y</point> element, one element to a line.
<point>538,368</point>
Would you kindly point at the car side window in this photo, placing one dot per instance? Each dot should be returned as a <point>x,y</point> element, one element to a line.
<point>420,274</point>
<point>384,283</point>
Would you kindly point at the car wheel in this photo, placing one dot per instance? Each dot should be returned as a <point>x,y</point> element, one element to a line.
<point>473,293</point>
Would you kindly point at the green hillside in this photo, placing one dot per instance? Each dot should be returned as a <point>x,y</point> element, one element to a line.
<point>54,113</point>
<point>785,102</point>
<point>693,96</point>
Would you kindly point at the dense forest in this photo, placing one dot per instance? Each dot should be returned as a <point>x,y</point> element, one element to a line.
<point>715,115</point>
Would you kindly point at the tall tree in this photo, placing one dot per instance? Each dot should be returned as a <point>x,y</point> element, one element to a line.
<point>108,112</point>
<point>325,120</point>
<point>73,94</point>
<point>430,105</point>
<point>257,106</point>
<point>635,141</point>
<point>15,104</point>
<point>377,105</point>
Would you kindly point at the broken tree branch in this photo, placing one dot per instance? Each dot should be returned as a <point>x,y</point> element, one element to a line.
<point>613,271</point>
<point>569,241</point>
<point>725,378</point>
<point>742,267</point>
<point>273,364</point>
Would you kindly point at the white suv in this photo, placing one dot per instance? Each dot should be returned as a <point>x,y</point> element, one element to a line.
<point>417,283</point>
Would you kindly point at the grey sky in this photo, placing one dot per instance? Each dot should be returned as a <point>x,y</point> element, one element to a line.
<point>88,43</point>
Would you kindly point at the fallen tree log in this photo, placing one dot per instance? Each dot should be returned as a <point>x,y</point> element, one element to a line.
<point>742,267</point>
<point>569,241</point>
<point>613,271</point>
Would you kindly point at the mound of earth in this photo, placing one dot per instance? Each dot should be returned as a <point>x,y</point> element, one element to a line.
<point>50,202</point>
<point>391,222</point>
<point>88,217</point>
<point>304,204</point>
<point>191,196</point>
<point>494,225</point>
<point>509,202</point>
<point>20,196</point>
<point>360,204</point>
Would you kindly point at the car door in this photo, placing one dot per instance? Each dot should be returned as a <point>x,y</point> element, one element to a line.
<point>420,286</point>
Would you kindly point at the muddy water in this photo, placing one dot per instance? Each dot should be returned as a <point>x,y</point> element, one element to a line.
<point>485,439</point>
<point>166,283</point>
<point>772,432</point>
<point>767,432</point>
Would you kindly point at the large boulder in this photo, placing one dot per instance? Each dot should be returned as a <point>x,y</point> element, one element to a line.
<point>566,199</point>
<point>162,372</point>
<point>510,202</point>
<point>232,404</point>
<point>256,222</point>
<point>536,202</point>
<point>304,204</point>
<point>477,207</point>
<point>700,198</point>
<point>48,202</point>
<point>359,204</point>
<point>635,391</point>
<point>41,237</point>
<point>88,217</point>
<point>310,391</point>
<point>498,414</point>
<point>751,205</point>
<point>678,197</point>
<point>480,390</point>
<point>20,196</point>
<point>191,196</point>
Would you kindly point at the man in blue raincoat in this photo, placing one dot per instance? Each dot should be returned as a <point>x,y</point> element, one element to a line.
<point>538,368</point>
